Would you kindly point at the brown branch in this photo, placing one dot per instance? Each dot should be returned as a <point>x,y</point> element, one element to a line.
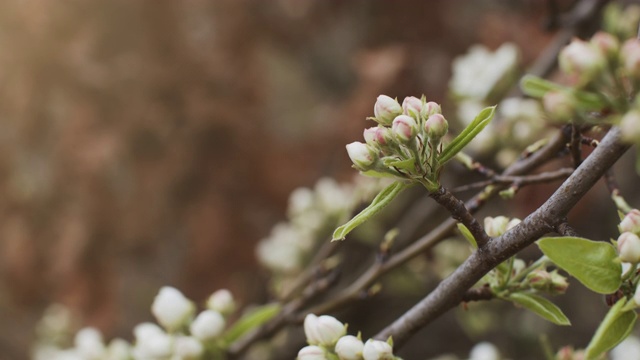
<point>451,290</point>
<point>459,212</point>
<point>478,294</point>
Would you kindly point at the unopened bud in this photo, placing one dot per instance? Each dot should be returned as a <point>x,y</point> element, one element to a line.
<point>378,135</point>
<point>630,126</point>
<point>636,295</point>
<point>495,226</point>
<point>386,109</point>
<point>89,343</point>
<point>349,347</point>
<point>513,223</point>
<point>631,222</point>
<point>629,247</point>
<point>484,351</point>
<point>361,155</point>
<point>559,283</point>
<point>311,352</point>
<point>323,330</point>
<point>539,279</point>
<point>431,108</point>
<point>187,348</point>
<point>630,54</point>
<point>560,105</point>
<point>171,308</point>
<point>582,60</point>
<point>207,325</point>
<point>412,106</point>
<point>222,302</point>
<point>606,43</point>
<point>377,350</point>
<point>436,126</point>
<point>404,127</point>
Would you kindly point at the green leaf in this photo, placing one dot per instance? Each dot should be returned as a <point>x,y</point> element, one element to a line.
<point>540,306</point>
<point>467,235</point>
<point>379,202</point>
<point>593,263</point>
<point>589,101</point>
<point>407,164</point>
<point>470,132</point>
<point>536,87</point>
<point>250,320</point>
<point>614,328</point>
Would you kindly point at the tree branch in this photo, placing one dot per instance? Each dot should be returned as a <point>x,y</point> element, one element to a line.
<point>451,291</point>
<point>459,212</point>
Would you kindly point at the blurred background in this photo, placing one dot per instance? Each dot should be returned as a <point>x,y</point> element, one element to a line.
<point>154,142</point>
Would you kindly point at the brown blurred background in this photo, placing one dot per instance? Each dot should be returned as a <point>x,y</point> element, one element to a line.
<point>154,142</point>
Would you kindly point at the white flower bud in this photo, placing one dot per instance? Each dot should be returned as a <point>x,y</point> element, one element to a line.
<point>606,43</point>
<point>404,127</point>
<point>513,223</point>
<point>495,226</point>
<point>349,347</point>
<point>151,342</point>
<point>377,350</point>
<point>631,222</point>
<point>386,109</point>
<point>361,155</point>
<point>436,126</point>
<point>630,54</point>
<point>582,60</point>
<point>171,308</point>
<point>629,247</point>
<point>311,352</point>
<point>630,126</point>
<point>431,108</point>
<point>412,106</point>
<point>636,295</point>
<point>222,302</point>
<point>208,325</point>
<point>484,351</point>
<point>89,343</point>
<point>559,105</point>
<point>187,348</point>
<point>323,330</point>
<point>118,349</point>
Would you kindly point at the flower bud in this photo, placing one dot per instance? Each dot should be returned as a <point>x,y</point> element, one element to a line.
<point>513,223</point>
<point>436,127</point>
<point>631,222</point>
<point>377,350</point>
<point>629,247</point>
<point>311,352</point>
<point>369,135</point>
<point>636,295</point>
<point>171,308</point>
<point>349,347</point>
<point>630,57</point>
<point>560,105</point>
<point>361,155</point>
<point>412,106</point>
<point>151,342</point>
<point>539,279</point>
<point>484,351</point>
<point>431,108</point>
<point>607,44</point>
<point>208,325</point>
<point>187,348</point>
<point>495,226</point>
<point>89,344</point>
<point>559,283</point>
<point>323,330</point>
<point>630,126</point>
<point>118,349</point>
<point>582,60</point>
<point>222,302</point>
<point>378,135</point>
<point>404,127</point>
<point>386,109</point>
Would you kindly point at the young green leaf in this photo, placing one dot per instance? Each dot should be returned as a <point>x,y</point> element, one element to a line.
<point>379,202</point>
<point>407,164</point>
<point>593,263</point>
<point>536,87</point>
<point>467,235</point>
<point>470,132</point>
<point>250,320</point>
<point>540,306</point>
<point>614,328</point>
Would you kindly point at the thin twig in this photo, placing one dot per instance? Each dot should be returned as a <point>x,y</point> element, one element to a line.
<point>459,212</point>
<point>524,180</point>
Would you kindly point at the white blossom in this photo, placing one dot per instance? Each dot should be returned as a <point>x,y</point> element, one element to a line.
<point>171,308</point>
<point>208,325</point>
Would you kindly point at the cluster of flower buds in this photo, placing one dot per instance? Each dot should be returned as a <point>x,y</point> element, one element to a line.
<point>327,338</point>
<point>628,242</point>
<point>405,142</point>
<point>182,335</point>
<point>550,282</point>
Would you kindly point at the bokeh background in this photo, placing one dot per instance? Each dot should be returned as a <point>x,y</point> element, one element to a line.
<point>154,142</point>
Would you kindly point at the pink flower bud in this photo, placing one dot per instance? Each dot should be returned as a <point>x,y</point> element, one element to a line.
<point>323,330</point>
<point>404,127</point>
<point>436,126</point>
<point>629,247</point>
<point>361,155</point>
<point>630,54</point>
<point>559,283</point>
<point>412,106</point>
<point>559,105</point>
<point>539,278</point>
<point>630,126</point>
<point>369,135</point>
<point>349,347</point>
<point>377,135</point>
<point>386,109</point>
<point>582,60</point>
<point>431,108</point>
<point>311,353</point>
<point>607,44</point>
<point>377,350</point>
<point>631,222</point>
